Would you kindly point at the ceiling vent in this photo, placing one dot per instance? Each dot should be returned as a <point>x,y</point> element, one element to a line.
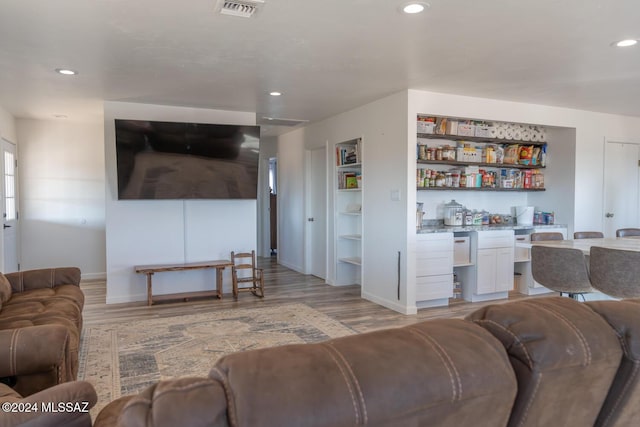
<point>242,8</point>
<point>278,121</point>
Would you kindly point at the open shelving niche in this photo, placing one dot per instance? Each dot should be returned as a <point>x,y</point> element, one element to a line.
<point>348,211</point>
<point>461,164</point>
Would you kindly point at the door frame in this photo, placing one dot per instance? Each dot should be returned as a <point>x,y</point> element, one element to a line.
<point>623,141</point>
<point>308,241</point>
<point>17,205</point>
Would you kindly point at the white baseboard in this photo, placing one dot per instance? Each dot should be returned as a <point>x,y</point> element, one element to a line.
<point>393,305</point>
<point>295,268</point>
<point>121,299</point>
<point>93,276</point>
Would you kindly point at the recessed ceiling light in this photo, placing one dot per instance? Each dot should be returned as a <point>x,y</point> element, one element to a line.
<point>414,7</point>
<point>60,116</point>
<point>66,71</point>
<point>625,43</point>
<point>274,93</point>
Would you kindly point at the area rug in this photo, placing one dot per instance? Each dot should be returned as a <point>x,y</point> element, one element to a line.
<point>124,358</point>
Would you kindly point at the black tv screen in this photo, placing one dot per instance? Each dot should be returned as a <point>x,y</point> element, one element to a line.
<point>168,160</point>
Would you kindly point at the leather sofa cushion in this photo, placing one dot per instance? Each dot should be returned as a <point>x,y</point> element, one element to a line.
<point>442,372</point>
<point>622,407</point>
<point>43,278</point>
<point>71,293</point>
<point>564,355</point>
<point>34,309</point>
<point>5,289</point>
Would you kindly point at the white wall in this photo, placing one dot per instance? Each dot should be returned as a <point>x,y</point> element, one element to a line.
<point>141,232</point>
<point>291,201</point>
<point>381,126</point>
<point>61,195</point>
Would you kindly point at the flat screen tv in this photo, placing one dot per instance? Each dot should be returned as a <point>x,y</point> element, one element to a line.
<point>168,160</point>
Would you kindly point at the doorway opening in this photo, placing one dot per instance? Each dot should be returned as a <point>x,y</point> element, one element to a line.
<point>273,205</point>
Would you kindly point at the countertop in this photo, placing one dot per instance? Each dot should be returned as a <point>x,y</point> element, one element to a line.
<point>461,228</point>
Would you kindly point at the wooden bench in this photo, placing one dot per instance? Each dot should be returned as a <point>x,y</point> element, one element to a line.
<point>150,270</point>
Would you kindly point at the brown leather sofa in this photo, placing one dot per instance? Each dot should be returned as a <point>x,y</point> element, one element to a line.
<point>538,362</point>
<point>40,325</point>
<point>65,405</point>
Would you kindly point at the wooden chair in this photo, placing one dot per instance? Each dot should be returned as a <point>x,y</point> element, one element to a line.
<point>615,272</point>
<point>624,232</point>
<point>537,237</point>
<point>244,270</point>
<point>562,270</point>
<point>588,235</point>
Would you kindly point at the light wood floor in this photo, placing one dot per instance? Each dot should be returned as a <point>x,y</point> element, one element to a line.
<point>281,286</point>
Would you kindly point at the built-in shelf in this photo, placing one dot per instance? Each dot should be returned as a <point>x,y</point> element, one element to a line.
<point>348,212</point>
<point>351,236</point>
<point>353,260</point>
<point>487,165</point>
<point>478,139</point>
<point>469,264</point>
<point>477,189</point>
<point>349,165</point>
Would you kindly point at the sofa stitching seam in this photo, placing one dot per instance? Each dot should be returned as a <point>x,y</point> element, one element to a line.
<point>572,326</point>
<point>14,350</point>
<point>231,411</point>
<point>535,391</point>
<point>436,347</point>
<point>346,380</point>
<point>621,394</point>
<point>514,336</point>
<point>355,380</point>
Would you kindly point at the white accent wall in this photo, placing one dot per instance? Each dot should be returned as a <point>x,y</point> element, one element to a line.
<point>142,232</point>
<point>61,195</point>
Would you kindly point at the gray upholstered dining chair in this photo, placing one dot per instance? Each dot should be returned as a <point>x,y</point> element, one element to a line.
<point>615,272</point>
<point>561,270</point>
<point>625,232</point>
<point>537,237</point>
<point>588,235</point>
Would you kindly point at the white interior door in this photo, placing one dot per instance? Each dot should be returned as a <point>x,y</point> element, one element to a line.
<point>316,230</point>
<point>10,205</point>
<point>621,186</point>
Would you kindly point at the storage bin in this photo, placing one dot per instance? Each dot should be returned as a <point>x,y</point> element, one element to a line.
<point>461,253</point>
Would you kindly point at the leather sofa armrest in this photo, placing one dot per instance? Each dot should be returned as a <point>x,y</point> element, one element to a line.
<point>66,404</point>
<point>43,278</point>
<point>33,349</point>
<point>188,401</point>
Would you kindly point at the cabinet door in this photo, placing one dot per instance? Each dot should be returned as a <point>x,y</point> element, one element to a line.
<point>504,269</point>
<point>486,265</point>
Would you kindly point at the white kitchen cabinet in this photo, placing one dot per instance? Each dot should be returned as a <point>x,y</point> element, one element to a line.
<point>491,275</point>
<point>434,269</point>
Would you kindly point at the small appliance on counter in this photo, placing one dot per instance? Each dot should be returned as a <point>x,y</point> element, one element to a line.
<point>523,214</point>
<point>419,215</point>
<point>453,213</point>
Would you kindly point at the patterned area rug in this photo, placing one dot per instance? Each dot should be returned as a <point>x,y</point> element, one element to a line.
<point>124,358</point>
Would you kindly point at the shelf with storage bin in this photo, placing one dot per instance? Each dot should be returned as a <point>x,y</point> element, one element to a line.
<point>478,139</point>
<point>477,189</point>
<point>487,165</point>
<point>348,212</point>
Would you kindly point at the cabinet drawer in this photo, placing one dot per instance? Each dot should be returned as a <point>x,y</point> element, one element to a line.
<point>461,250</point>
<point>434,263</point>
<point>434,242</point>
<point>495,239</point>
<point>434,287</point>
<point>521,254</point>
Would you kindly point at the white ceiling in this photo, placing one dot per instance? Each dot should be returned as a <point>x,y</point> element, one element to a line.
<point>325,56</point>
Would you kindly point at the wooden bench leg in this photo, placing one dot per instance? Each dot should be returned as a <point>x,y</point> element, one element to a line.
<point>219,281</point>
<point>149,289</point>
